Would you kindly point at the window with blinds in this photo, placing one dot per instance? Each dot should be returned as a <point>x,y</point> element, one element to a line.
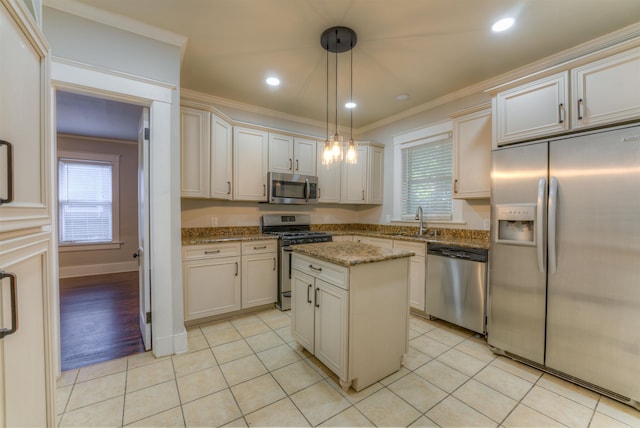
<point>86,200</point>
<point>427,177</point>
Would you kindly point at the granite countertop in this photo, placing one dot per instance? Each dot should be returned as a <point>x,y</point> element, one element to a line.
<point>349,253</point>
<point>461,241</point>
<point>227,238</point>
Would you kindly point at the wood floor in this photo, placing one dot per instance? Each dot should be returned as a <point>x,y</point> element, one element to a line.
<point>99,318</point>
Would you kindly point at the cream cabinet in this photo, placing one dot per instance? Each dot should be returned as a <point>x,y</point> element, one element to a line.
<point>606,91</point>
<point>292,155</point>
<point>221,169</point>
<point>250,154</point>
<point>417,272</point>
<point>211,279</point>
<point>362,182</point>
<point>329,178</point>
<point>371,240</point>
<point>342,238</point>
<point>472,154</point>
<point>259,273</point>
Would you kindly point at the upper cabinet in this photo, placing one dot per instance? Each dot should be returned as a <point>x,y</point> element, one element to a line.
<point>250,148</point>
<point>602,92</point>
<point>221,171</point>
<point>362,182</point>
<point>328,178</point>
<point>24,96</point>
<point>472,153</point>
<point>292,155</point>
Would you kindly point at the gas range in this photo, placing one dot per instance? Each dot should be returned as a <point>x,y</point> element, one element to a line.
<point>293,238</point>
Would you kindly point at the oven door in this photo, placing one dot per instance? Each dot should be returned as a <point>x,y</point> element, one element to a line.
<point>292,189</point>
<point>284,283</point>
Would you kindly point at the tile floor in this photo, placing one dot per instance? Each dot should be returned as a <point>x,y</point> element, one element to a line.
<point>248,371</point>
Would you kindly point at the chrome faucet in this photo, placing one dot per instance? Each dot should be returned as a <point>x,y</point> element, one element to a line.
<point>420,218</point>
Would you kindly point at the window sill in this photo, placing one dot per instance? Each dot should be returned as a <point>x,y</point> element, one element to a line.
<point>63,248</point>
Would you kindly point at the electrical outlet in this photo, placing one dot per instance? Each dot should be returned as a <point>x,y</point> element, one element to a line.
<point>214,221</point>
<point>387,218</point>
<point>486,224</point>
<point>326,219</point>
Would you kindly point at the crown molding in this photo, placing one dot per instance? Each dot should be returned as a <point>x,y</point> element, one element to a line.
<point>121,22</point>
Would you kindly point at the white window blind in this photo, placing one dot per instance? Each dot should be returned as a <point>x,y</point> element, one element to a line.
<point>427,177</point>
<point>85,201</point>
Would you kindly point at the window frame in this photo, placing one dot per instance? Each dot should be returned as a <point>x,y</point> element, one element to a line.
<point>432,133</point>
<point>89,157</point>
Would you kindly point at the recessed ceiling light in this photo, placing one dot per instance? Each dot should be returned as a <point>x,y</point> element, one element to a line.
<point>402,97</point>
<point>350,104</point>
<point>273,81</point>
<point>503,24</point>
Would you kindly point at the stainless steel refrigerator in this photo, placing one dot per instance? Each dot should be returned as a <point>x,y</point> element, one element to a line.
<point>564,271</point>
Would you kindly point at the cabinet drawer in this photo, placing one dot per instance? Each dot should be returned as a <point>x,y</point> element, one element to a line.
<point>210,251</point>
<point>261,246</point>
<point>334,274</point>
<point>416,247</point>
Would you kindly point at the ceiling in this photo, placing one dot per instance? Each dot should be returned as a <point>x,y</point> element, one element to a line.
<point>423,48</point>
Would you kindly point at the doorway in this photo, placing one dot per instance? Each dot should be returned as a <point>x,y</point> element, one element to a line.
<point>101,180</point>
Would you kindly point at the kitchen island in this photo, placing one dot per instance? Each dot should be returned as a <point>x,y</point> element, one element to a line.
<point>350,308</point>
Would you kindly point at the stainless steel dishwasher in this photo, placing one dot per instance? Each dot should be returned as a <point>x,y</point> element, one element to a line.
<point>457,285</point>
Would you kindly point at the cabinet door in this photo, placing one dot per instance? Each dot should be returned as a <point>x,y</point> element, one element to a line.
<point>211,287</point>
<point>606,91</point>
<point>24,90</point>
<point>281,153</point>
<point>25,378</point>
<point>195,135</point>
<point>532,110</point>
<point>375,175</point>
<point>259,279</point>
<point>472,155</point>
<point>250,148</point>
<point>221,158</point>
<point>305,156</point>
<point>328,178</point>
<point>417,273</point>
<point>302,309</point>
<point>354,179</point>
<point>331,307</point>
<point>378,242</point>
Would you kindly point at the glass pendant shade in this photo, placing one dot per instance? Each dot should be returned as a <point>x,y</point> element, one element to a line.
<point>352,152</point>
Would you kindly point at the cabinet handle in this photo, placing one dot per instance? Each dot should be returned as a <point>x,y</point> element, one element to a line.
<point>264,190</point>
<point>297,165</point>
<point>14,310</point>
<point>312,267</point>
<point>580,102</point>
<point>318,190</point>
<point>561,113</point>
<point>228,187</point>
<point>212,252</point>
<point>260,248</point>
<point>315,298</point>
<point>237,269</point>
<point>290,164</point>
<point>9,197</point>
<point>363,194</point>
<point>274,263</point>
<point>455,186</point>
<point>308,293</point>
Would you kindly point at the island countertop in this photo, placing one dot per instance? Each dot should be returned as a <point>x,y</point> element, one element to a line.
<point>350,253</point>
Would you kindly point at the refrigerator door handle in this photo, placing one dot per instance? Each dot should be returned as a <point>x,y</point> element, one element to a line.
<point>542,187</point>
<point>553,211</point>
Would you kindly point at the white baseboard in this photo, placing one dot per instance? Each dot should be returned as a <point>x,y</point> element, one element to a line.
<point>98,269</point>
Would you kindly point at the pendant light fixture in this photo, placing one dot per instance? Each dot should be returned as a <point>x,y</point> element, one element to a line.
<point>337,40</point>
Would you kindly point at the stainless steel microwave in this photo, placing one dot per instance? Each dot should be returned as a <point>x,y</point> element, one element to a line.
<point>292,188</point>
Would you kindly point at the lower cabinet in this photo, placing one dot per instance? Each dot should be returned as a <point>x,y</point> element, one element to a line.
<point>417,272</point>
<point>259,273</point>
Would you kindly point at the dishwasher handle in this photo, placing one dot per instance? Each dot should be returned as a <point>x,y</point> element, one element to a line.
<point>471,254</point>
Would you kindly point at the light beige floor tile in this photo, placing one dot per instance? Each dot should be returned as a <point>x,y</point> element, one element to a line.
<point>413,334</point>
<point>319,402</point>
<point>67,378</point>
<point>418,392</point>
<point>239,423</point>
<point>102,369</point>
<point>252,328</point>
<point>451,412</point>
<point>197,385</point>
<point>569,390</point>
<point>278,357</point>
<point>196,342</point>
<point>428,346</point>
<point>414,359</point>
<point>462,362</point>
<point>151,374</point>
<point>319,367</point>
<point>245,319</point>
<point>296,376</point>
<point>487,401</point>
<point>150,401</point>
<point>106,413</point>
<point>395,376</point>
<point>477,348</point>
<point>96,390</point>
<point>523,416</point>
<point>62,398</point>
<point>351,417</point>
<point>184,364</point>
<point>169,418</point>
<point>351,394</point>
<point>220,336</point>
<point>514,367</point>
<point>505,382</point>
<point>448,335</point>
<point>58,420</point>
<point>282,413</point>
<point>277,320</point>
<point>384,408</point>
<point>424,422</point>
<point>420,325</point>
<point>264,341</point>
<point>285,334</point>
<point>601,420</point>
<point>257,393</point>
<point>557,407</point>
<point>215,326</point>
<point>619,411</point>
<point>442,376</point>
<point>142,359</point>
<point>213,410</point>
<point>242,369</point>
<point>231,351</point>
